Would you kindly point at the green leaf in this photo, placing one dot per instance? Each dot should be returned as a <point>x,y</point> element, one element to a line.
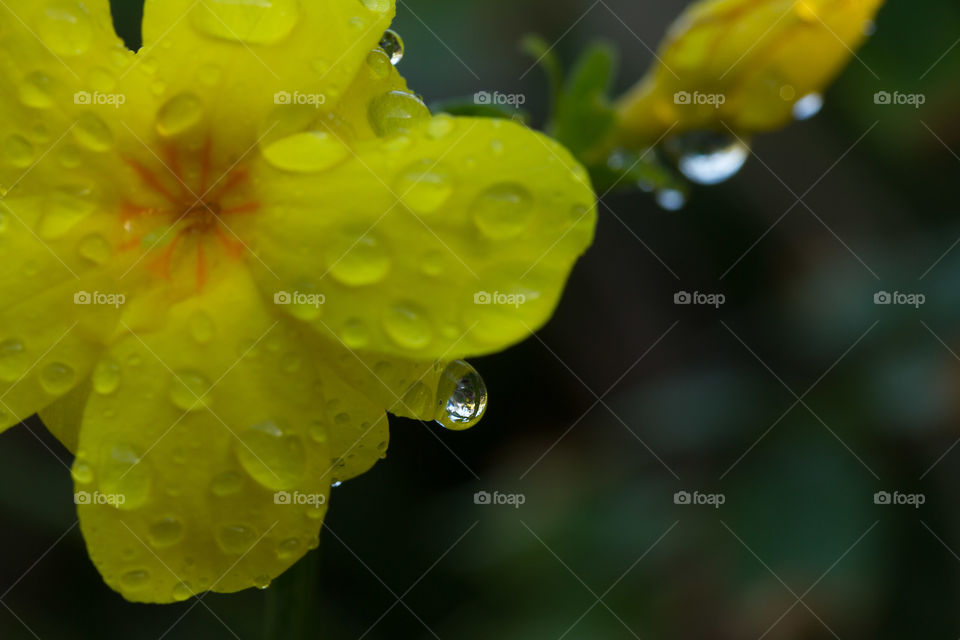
<point>584,116</point>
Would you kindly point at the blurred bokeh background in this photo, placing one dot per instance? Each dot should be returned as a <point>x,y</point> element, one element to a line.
<point>797,400</point>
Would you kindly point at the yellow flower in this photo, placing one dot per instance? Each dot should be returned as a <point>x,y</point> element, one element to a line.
<point>743,63</point>
<point>228,255</point>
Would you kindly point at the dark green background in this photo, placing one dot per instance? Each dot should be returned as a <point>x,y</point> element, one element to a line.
<point>797,503</point>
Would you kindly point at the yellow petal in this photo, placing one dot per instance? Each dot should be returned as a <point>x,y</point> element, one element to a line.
<point>451,241</point>
<point>244,69</point>
<point>50,341</point>
<point>216,412</point>
<point>744,63</point>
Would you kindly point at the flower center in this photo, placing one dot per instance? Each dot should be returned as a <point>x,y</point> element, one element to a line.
<point>184,209</point>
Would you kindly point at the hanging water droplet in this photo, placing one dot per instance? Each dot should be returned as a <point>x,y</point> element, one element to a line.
<point>707,157</point>
<point>671,199</point>
<point>807,106</point>
<point>461,397</point>
<point>392,45</point>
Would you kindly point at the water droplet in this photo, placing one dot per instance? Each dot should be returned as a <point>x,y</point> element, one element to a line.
<point>788,92</point>
<point>461,395</point>
<point>503,210</point>
<point>707,157</point>
<point>36,90</point>
<point>308,152</point>
<point>69,156</point>
<point>65,207</point>
<point>262,581</point>
<point>126,474</point>
<point>106,376</point>
<point>408,326</point>
<point>808,106</point>
<point>13,360</point>
<point>165,532</point>
<point>357,257</point>
<point>66,28</point>
<point>440,126</point>
<point>95,248</point>
<point>425,186</point>
<point>671,199</point>
<point>57,378</point>
<point>179,114</point>
<point>183,591</point>
<point>93,133</point>
<point>201,327</point>
<point>18,151</point>
<point>226,484</point>
<point>189,390</point>
<point>275,459</point>
<point>289,548</point>
<point>396,112</point>
<point>380,6</point>
<point>236,538</point>
<point>354,334</point>
<point>392,45</point>
<point>135,579</point>
<point>247,21</point>
<point>81,471</point>
<point>379,64</point>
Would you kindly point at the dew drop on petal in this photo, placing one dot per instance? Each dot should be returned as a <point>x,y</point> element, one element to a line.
<point>392,45</point>
<point>126,474</point>
<point>201,327</point>
<point>308,152</point>
<point>182,591</point>
<point>135,579</point>
<point>247,21</point>
<point>408,326</point>
<point>396,112</point>
<point>461,397</point>
<point>379,64</point>
<point>165,532</point>
<point>66,28</point>
<point>380,6</point>
<point>81,471</point>
<point>188,390</point>
<point>236,538</point>
<point>95,248</point>
<point>106,376</point>
<point>13,359</point>
<point>424,186</point>
<point>273,458</point>
<point>503,210</point>
<point>36,90</point>
<point>18,152</point>
<point>808,106</point>
<point>289,548</point>
<point>57,378</point>
<point>262,581</point>
<point>179,114</point>
<point>226,484</point>
<point>358,257</point>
